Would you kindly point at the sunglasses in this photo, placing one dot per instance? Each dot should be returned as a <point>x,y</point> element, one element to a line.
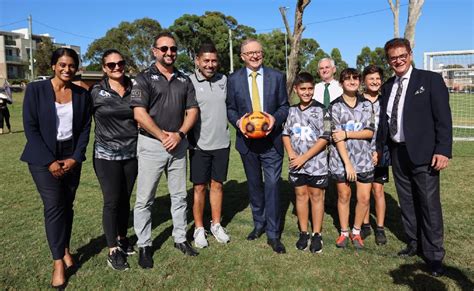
<point>113,65</point>
<point>165,48</point>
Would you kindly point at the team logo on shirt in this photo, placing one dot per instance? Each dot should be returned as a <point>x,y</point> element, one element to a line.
<point>134,83</point>
<point>181,79</point>
<point>155,77</point>
<point>352,125</point>
<point>222,86</point>
<point>104,93</point>
<point>304,133</point>
<point>136,93</point>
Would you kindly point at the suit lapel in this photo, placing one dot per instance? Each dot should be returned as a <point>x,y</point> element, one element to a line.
<point>388,91</point>
<point>266,89</point>
<point>412,86</point>
<point>246,93</point>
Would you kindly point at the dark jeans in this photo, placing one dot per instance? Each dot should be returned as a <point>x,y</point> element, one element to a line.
<point>116,179</point>
<point>58,198</point>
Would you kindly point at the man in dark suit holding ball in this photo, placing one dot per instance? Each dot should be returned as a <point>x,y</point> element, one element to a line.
<point>258,88</point>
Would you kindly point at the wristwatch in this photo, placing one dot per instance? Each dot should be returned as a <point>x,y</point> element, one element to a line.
<point>181,134</point>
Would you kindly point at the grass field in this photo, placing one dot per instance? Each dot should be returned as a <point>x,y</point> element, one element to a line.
<point>26,263</point>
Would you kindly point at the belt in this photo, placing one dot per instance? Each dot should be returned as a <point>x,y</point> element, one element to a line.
<point>146,133</point>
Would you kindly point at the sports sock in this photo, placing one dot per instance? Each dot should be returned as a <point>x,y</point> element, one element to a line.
<point>345,232</point>
<point>355,231</point>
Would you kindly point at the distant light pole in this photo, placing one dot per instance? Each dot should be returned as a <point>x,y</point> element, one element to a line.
<point>283,10</point>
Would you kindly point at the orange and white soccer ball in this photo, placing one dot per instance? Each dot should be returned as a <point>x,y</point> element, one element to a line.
<point>256,125</point>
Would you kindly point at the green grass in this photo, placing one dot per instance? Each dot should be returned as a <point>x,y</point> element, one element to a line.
<point>25,261</point>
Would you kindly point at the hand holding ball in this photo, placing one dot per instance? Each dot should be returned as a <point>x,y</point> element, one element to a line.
<point>255,125</point>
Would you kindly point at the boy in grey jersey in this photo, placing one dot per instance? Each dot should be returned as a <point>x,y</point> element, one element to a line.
<point>305,136</point>
<point>350,156</point>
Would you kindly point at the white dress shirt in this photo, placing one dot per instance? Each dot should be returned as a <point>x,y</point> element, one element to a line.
<point>400,135</point>
<point>259,84</point>
<point>335,90</point>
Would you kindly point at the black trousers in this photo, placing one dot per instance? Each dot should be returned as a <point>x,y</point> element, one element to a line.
<point>116,179</point>
<point>58,198</point>
<point>5,114</point>
<point>418,193</point>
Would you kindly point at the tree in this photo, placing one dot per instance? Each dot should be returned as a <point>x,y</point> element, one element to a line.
<point>192,30</point>
<point>294,40</point>
<point>375,57</point>
<point>134,40</point>
<point>414,12</point>
<point>395,7</point>
<point>340,63</point>
<point>274,48</point>
<point>42,57</point>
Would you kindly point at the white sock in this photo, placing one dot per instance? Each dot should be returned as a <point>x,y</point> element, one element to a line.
<point>355,231</point>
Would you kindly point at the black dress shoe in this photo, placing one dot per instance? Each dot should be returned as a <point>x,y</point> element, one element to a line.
<point>145,257</point>
<point>410,250</point>
<point>437,269</point>
<point>256,233</point>
<point>186,249</point>
<point>276,245</point>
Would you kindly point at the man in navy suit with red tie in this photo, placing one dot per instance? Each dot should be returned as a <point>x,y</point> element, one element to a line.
<point>415,121</point>
<point>258,88</point>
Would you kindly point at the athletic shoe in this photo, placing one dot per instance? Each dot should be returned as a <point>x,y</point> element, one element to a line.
<point>220,233</point>
<point>365,230</point>
<point>200,240</point>
<point>342,241</point>
<point>357,241</point>
<point>316,244</point>
<point>125,246</point>
<point>117,261</point>
<point>303,240</point>
<point>380,238</point>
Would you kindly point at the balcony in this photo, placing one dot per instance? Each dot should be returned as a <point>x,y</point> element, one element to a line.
<point>10,42</point>
<point>13,59</point>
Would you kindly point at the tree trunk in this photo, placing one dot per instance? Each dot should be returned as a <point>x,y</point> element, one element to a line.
<point>294,40</point>
<point>414,12</point>
<point>396,12</point>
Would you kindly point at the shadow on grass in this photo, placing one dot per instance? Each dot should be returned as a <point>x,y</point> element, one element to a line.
<point>408,275</point>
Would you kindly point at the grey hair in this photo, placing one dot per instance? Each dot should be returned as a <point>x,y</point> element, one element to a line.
<point>333,64</point>
<point>247,41</point>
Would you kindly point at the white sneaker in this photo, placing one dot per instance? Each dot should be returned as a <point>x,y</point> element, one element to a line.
<point>200,240</point>
<point>220,233</point>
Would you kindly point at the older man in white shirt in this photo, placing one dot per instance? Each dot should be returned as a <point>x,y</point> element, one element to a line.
<point>328,89</point>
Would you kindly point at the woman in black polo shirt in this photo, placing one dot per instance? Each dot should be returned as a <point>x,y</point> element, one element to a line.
<point>115,160</point>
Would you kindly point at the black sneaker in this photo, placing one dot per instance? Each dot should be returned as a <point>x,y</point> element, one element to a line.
<point>303,240</point>
<point>365,230</point>
<point>125,246</point>
<point>145,258</point>
<point>117,261</point>
<point>316,244</point>
<point>380,238</point>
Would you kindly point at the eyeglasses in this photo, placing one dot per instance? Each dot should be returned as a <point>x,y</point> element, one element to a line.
<point>165,48</point>
<point>402,57</point>
<point>253,53</point>
<point>113,65</point>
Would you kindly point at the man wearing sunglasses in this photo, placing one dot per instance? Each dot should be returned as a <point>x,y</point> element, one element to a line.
<point>258,88</point>
<point>415,122</point>
<point>164,104</point>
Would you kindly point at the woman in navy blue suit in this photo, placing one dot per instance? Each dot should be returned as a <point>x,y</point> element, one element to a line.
<point>57,120</point>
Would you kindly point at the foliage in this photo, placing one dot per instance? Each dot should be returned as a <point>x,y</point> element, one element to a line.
<point>340,63</point>
<point>133,39</point>
<point>42,56</point>
<point>312,66</point>
<point>192,30</point>
<point>273,44</point>
<point>375,57</point>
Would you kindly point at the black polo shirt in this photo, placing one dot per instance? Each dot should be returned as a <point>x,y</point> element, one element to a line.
<point>166,101</point>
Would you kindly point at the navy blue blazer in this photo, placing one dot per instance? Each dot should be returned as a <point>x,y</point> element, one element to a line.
<point>275,102</point>
<point>39,122</point>
<point>427,121</point>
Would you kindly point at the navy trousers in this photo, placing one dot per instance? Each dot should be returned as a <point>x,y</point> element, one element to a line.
<point>264,193</point>
<point>58,198</point>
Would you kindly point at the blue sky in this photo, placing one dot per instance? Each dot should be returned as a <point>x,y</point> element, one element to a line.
<point>346,24</point>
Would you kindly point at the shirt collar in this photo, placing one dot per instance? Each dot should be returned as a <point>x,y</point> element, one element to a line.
<point>200,77</point>
<point>259,71</point>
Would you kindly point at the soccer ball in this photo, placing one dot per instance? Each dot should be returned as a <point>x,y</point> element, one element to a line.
<point>256,125</point>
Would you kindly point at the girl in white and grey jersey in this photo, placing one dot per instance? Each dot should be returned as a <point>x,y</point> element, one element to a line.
<point>350,155</point>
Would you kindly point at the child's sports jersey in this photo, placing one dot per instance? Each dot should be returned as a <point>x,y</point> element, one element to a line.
<point>305,127</point>
<point>358,118</point>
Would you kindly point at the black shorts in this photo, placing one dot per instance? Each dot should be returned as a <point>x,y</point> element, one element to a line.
<point>366,177</point>
<point>381,175</point>
<point>207,165</point>
<point>307,180</point>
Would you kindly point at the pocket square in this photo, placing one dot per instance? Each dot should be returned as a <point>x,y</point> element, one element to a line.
<point>419,91</point>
